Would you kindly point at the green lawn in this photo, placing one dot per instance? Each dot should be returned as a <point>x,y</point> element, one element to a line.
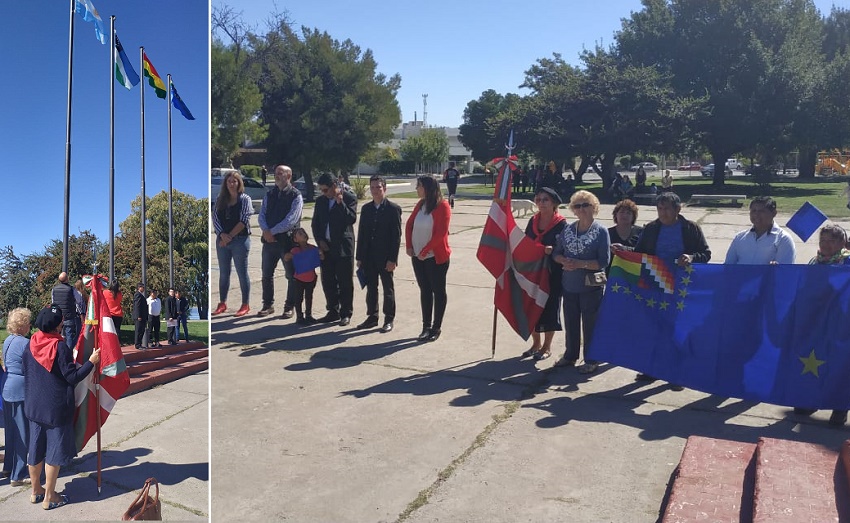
<point>789,193</point>
<point>199,330</point>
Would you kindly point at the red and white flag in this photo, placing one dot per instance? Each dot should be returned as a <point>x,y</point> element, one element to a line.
<point>110,378</point>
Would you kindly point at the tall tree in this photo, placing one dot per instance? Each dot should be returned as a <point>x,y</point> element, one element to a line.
<point>480,132</point>
<point>430,146</point>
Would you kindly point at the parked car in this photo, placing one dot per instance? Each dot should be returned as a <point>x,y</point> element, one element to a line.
<point>301,185</point>
<point>707,170</point>
<point>693,166</point>
<point>734,164</point>
<point>647,166</point>
<point>253,188</point>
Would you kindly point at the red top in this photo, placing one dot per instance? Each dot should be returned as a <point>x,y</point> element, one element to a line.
<point>439,242</point>
<point>113,302</point>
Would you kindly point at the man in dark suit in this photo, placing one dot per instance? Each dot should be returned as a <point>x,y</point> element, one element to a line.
<point>333,229</point>
<point>140,314</point>
<point>171,313</point>
<point>378,243</point>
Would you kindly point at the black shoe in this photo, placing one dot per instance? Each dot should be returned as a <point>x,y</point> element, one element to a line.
<point>644,377</point>
<point>266,311</point>
<point>677,388</point>
<point>309,320</point>
<point>803,412</point>
<point>838,418</point>
<point>370,323</point>
<point>287,313</point>
<point>329,318</point>
<point>424,335</point>
<point>435,333</point>
<point>388,326</point>
<point>343,322</point>
<point>301,321</point>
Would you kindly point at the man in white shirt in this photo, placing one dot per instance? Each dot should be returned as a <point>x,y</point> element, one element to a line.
<point>154,310</point>
<point>763,243</point>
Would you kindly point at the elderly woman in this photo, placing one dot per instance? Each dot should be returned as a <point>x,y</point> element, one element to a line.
<point>624,234</point>
<point>544,227</point>
<point>832,250</point>
<point>582,249</point>
<point>426,234</point>
<point>233,210</point>
<point>18,325</point>
<point>50,375</point>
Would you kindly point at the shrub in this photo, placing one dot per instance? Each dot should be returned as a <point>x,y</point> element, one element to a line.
<point>252,171</point>
<point>359,185</point>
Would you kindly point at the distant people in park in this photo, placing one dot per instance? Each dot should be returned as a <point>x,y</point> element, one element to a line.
<point>16,425</point>
<point>616,187</point>
<point>539,175</point>
<point>154,312</point>
<point>640,176</point>
<point>63,294</point>
<point>231,223</point>
<point>627,189</point>
<point>342,183</point>
<point>50,376</point>
<point>333,221</point>
<point>653,189</point>
<point>763,243</point>
<point>451,177</point>
<point>516,179</point>
<point>378,244</point>
<point>171,310</point>
<point>552,177</point>
<point>544,227</point>
<point>523,178</point>
<point>832,250</point>
<point>582,249</point>
<point>265,175</point>
<point>674,239</point>
<point>304,281</point>
<point>667,181</point>
<point>569,186</point>
<point>183,314</point>
<point>426,236</point>
<point>624,234</point>
<point>140,315</point>
<point>279,215</point>
<point>113,298</point>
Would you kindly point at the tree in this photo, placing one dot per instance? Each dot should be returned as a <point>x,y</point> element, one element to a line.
<point>479,131</point>
<point>323,100</point>
<point>431,146</point>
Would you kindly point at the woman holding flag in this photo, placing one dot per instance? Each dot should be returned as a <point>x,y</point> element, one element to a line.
<point>544,228</point>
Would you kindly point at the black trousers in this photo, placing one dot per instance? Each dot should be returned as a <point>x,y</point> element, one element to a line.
<point>373,274</point>
<point>431,278</point>
<point>141,326</point>
<point>172,335</point>
<point>303,296</point>
<point>338,284</point>
<point>153,329</point>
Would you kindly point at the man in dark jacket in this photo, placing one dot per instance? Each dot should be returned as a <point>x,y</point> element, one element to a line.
<point>171,313</point>
<point>182,315</point>
<point>378,243</point>
<point>279,216</point>
<point>140,315</point>
<point>333,229</point>
<point>674,239</point>
<point>62,295</point>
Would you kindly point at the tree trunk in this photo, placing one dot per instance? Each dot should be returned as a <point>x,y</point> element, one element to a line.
<point>719,159</point>
<point>808,159</point>
<point>308,184</point>
<point>607,169</point>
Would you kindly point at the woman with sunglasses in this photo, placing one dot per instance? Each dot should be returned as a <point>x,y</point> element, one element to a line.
<point>544,227</point>
<point>582,249</point>
<point>426,234</point>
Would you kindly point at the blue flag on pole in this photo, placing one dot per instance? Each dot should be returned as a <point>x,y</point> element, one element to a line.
<point>178,104</point>
<point>87,10</point>
<point>806,221</point>
<point>772,333</point>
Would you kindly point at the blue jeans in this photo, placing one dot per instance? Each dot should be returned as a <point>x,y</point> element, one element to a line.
<point>17,435</point>
<point>272,254</point>
<point>183,320</point>
<point>236,251</point>
<point>71,332</point>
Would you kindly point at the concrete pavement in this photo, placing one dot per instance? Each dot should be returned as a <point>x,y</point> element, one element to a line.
<point>162,432</point>
<point>325,423</point>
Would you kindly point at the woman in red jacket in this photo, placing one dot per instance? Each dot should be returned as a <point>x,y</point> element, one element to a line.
<point>427,237</point>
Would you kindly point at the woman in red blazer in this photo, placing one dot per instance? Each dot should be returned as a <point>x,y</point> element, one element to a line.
<point>427,237</point>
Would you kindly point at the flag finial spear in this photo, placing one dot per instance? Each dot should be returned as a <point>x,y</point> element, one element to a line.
<point>510,146</point>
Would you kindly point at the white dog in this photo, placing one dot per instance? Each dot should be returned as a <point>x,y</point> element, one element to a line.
<point>523,206</point>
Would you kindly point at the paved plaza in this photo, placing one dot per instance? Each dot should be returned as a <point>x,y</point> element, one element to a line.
<point>325,423</point>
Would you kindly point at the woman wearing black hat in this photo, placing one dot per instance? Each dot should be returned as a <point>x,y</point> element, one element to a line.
<point>50,375</point>
<point>544,227</point>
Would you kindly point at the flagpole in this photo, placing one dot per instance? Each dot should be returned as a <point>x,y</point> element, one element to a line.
<point>96,381</point>
<point>112,152</point>
<point>68,140</point>
<point>495,317</point>
<point>144,206</point>
<point>170,223</point>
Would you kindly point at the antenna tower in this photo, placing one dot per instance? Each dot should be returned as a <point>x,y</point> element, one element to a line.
<point>424,110</point>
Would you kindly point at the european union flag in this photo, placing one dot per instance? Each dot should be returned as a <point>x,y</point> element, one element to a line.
<point>806,221</point>
<point>772,333</point>
<point>178,104</point>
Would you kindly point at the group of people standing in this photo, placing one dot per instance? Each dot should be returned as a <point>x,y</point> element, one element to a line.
<point>332,225</point>
<point>148,310</point>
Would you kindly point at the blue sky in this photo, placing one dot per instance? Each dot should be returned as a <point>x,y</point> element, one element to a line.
<point>455,50</point>
<point>34,58</point>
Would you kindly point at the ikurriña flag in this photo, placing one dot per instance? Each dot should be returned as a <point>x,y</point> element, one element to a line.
<point>770,333</point>
<point>154,79</point>
<point>110,377</point>
<point>516,261</point>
